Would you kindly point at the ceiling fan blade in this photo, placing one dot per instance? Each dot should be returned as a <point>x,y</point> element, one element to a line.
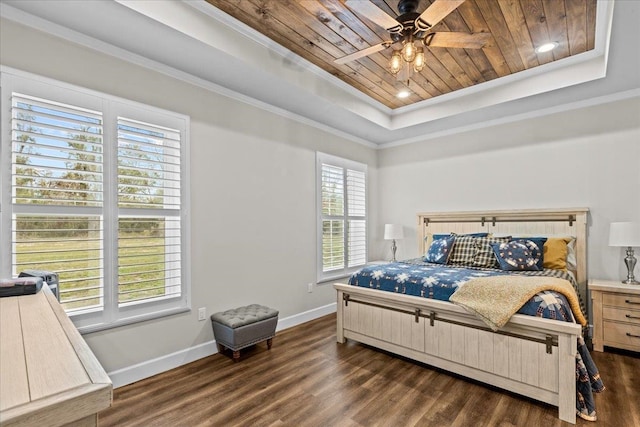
<point>374,14</point>
<point>436,13</point>
<point>364,52</point>
<point>457,40</point>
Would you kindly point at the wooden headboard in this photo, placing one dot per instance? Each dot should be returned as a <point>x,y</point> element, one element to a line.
<point>539,222</point>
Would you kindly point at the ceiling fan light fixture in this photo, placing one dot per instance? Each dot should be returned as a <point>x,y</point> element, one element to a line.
<point>411,29</point>
<point>419,61</point>
<point>409,50</point>
<point>395,64</point>
<point>547,47</point>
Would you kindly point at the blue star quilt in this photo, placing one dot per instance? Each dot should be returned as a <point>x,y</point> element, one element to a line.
<point>428,280</point>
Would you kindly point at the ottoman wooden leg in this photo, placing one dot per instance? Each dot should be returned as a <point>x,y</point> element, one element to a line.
<point>269,342</point>
<point>220,348</point>
<point>236,355</point>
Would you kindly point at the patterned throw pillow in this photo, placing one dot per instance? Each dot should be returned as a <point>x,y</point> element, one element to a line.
<point>517,255</point>
<point>485,257</point>
<point>440,250</point>
<point>539,241</point>
<point>464,250</point>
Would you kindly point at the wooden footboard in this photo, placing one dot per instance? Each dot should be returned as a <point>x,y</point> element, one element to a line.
<point>530,356</point>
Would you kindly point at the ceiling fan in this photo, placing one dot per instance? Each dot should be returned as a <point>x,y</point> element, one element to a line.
<point>410,27</point>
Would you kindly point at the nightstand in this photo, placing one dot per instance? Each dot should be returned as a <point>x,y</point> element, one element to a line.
<point>616,314</point>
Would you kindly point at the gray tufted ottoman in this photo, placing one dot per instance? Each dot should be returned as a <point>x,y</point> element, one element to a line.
<point>244,326</point>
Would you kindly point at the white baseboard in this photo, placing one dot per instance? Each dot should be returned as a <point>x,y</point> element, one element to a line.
<point>305,316</point>
<point>149,368</point>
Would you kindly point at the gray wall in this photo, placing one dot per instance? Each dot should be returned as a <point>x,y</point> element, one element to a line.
<point>252,196</point>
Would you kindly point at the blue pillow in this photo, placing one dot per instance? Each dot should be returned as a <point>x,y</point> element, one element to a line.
<point>440,250</point>
<point>539,241</point>
<point>517,255</point>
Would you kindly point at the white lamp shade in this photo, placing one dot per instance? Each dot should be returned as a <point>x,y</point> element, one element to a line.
<point>393,232</point>
<point>626,234</point>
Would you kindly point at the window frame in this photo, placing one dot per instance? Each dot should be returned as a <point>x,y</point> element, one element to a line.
<point>345,164</point>
<point>112,314</point>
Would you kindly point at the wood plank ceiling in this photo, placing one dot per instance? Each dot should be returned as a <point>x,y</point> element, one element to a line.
<point>323,30</point>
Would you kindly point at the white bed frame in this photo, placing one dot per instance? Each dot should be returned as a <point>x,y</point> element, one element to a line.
<point>530,356</point>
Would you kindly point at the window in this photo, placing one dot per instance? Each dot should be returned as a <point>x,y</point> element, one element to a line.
<point>342,216</point>
<point>94,188</point>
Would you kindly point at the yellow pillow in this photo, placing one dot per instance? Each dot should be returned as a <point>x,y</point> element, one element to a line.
<point>555,253</point>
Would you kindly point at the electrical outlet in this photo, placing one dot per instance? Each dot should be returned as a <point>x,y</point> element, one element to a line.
<point>309,287</point>
<point>202,313</point>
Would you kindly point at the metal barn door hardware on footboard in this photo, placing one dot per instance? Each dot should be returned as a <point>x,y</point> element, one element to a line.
<point>549,341</point>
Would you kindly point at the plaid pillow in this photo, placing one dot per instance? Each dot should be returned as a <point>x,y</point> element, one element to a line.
<point>464,250</point>
<point>485,257</point>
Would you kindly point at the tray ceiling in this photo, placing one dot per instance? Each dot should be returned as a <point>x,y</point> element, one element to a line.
<point>195,42</point>
<point>321,31</point>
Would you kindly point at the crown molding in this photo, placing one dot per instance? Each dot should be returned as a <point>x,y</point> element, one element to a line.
<point>591,102</point>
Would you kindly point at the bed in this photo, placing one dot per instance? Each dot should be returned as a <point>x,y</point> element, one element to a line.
<point>529,355</point>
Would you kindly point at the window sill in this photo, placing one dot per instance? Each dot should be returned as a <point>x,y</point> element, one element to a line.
<point>340,275</point>
<point>326,280</point>
<point>131,320</point>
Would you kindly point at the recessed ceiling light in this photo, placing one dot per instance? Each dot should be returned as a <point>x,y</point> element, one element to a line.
<point>404,93</point>
<point>546,47</point>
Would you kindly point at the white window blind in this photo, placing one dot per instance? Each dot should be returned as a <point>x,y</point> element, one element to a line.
<point>56,153</point>
<point>342,216</point>
<point>357,225</point>
<point>95,187</point>
<point>149,253</point>
<point>57,196</point>
<point>333,225</point>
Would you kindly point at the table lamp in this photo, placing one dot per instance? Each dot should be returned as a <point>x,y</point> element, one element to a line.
<point>393,232</point>
<point>626,234</point>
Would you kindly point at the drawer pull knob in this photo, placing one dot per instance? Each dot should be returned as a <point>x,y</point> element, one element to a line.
<point>628,316</point>
<point>632,302</point>
<point>633,336</point>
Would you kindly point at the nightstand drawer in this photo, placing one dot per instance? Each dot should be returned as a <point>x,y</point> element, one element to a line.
<point>621,315</point>
<point>628,336</point>
<point>621,300</point>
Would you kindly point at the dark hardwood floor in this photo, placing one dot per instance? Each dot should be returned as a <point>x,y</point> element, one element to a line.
<point>307,379</point>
